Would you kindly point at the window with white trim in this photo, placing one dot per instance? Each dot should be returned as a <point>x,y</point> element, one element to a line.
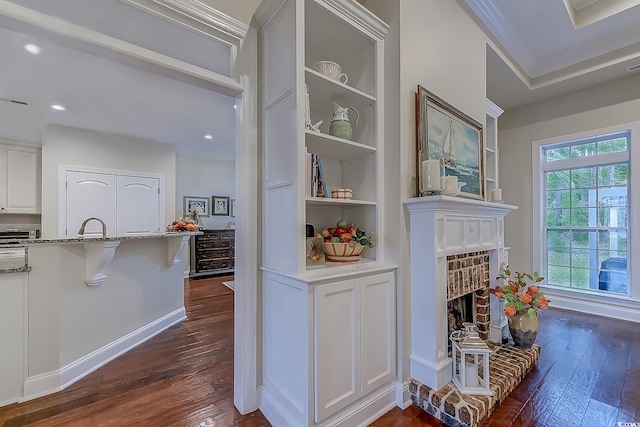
<point>585,214</point>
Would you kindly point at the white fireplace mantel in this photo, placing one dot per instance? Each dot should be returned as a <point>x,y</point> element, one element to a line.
<point>440,226</point>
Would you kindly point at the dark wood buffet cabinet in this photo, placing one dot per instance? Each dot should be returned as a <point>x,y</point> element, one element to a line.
<point>213,253</point>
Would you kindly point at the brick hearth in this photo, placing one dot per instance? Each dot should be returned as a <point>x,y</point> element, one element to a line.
<point>507,366</point>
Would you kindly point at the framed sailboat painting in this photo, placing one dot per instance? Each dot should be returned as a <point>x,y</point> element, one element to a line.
<point>446,134</point>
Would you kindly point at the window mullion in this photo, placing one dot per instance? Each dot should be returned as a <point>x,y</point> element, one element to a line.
<point>582,162</point>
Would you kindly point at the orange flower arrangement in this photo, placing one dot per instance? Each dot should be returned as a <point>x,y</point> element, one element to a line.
<point>520,293</point>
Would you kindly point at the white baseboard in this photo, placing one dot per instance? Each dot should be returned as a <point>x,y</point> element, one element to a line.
<point>403,399</point>
<point>433,375</point>
<point>616,308</point>
<point>362,413</point>
<point>51,382</point>
<point>274,411</point>
<point>366,410</point>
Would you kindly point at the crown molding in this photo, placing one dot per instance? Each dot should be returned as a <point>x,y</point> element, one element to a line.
<point>268,11</point>
<point>359,14</point>
<point>347,9</point>
<point>195,16</point>
<point>493,110</point>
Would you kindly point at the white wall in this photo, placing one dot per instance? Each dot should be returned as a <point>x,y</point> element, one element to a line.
<point>596,108</point>
<point>63,145</point>
<point>435,44</point>
<point>202,177</point>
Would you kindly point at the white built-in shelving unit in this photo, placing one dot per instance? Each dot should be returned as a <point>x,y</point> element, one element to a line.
<point>491,149</point>
<point>322,321</point>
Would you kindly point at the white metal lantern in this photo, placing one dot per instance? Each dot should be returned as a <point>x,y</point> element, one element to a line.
<point>470,361</point>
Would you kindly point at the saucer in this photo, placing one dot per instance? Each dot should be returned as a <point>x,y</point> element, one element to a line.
<point>354,258</point>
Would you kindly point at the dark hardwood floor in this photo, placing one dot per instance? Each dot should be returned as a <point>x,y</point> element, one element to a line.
<point>588,375</point>
<point>181,377</point>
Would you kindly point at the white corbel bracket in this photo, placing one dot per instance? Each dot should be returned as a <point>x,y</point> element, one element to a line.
<point>98,255</point>
<point>175,246</point>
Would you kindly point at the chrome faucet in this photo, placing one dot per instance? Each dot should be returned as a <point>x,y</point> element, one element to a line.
<point>104,226</point>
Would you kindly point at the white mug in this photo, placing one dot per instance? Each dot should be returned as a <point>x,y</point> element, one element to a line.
<point>331,69</point>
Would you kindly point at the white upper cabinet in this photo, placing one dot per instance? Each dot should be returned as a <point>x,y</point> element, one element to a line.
<point>127,204</point>
<point>20,179</point>
<point>90,195</point>
<point>138,205</point>
<point>296,36</point>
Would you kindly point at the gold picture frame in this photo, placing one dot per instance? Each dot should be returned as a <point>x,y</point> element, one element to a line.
<point>447,134</point>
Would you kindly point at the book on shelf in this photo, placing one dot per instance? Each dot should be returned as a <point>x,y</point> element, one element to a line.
<point>322,183</point>
<point>307,174</point>
<point>315,183</point>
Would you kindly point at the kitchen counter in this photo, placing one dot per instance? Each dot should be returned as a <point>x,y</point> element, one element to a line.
<point>85,301</point>
<point>14,260</point>
<point>58,240</point>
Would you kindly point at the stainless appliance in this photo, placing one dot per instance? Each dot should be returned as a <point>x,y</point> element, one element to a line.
<point>13,236</point>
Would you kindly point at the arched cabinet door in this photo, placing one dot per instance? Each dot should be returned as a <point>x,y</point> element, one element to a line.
<point>90,194</point>
<point>138,205</point>
<point>128,204</point>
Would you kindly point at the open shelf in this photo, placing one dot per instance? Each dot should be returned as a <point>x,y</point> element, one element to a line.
<point>338,87</point>
<point>331,147</point>
<point>323,90</point>
<point>319,265</point>
<point>338,202</point>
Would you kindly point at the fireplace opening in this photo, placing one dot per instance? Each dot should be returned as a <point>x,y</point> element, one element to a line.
<point>459,311</point>
<point>468,292</point>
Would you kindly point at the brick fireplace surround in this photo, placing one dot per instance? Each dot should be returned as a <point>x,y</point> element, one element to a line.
<point>469,273</point>
<point>456,247</point>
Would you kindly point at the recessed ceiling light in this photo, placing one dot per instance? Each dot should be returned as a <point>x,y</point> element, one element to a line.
<point>58,107</point>
<point>32,48</point>
<point>208,136</point>
<point>235,107</point>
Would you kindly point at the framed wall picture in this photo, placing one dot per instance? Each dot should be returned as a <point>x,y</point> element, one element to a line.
<point>446,134</point>
<point>232,210</point>
<point>200,204</point>
<point>220,205</point>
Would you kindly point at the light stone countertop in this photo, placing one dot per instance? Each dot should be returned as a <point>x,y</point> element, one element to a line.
<point>65,240</point>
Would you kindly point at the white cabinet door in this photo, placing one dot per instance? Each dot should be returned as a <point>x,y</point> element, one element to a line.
<point>137,205</point>
<point>378,333</point>
<point>90,195</point>
<point>20,179</point>
<point>12,341</point>
<point>337,346</point>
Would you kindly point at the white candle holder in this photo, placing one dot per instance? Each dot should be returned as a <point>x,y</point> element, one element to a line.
<point>470,356</point>
<point>496,195</point>
<point>431,183</point>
